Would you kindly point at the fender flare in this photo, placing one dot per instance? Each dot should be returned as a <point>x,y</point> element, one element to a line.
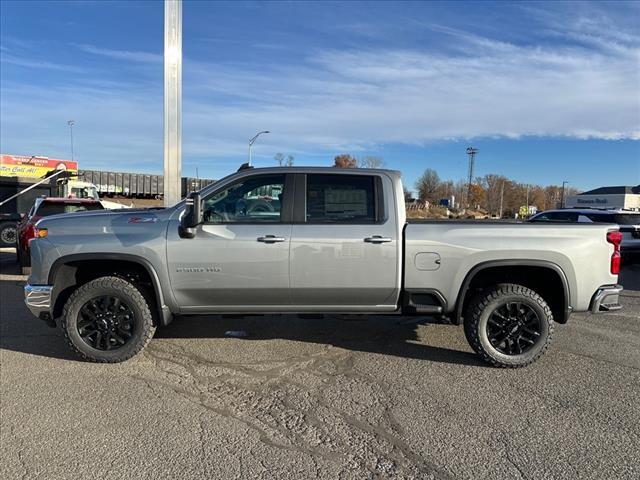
<point>510,263</point>
<point>164,313</point>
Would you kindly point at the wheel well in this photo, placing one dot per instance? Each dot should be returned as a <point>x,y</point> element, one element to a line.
<point>549,283</point>
<point>71,275</point>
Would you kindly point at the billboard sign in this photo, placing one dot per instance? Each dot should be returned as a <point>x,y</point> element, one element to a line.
<point>33,166</point>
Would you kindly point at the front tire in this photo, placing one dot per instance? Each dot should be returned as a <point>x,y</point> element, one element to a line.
<point>107,320</point>
<point>8,234</point>
<point>509,326</point>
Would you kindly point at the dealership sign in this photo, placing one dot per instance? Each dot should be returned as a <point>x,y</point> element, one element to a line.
<point>592,201</point>
<point>33,166</point>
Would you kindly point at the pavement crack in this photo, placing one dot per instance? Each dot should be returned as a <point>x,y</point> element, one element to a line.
<point>507,454</point>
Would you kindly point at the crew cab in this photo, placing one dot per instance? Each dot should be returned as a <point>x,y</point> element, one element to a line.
<point>44,207</point>
<point>315,240</point>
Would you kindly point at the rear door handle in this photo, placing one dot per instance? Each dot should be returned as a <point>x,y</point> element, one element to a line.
<point>377,239</point>
<point>271,239</point>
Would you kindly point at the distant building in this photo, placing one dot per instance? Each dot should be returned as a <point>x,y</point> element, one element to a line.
<point>607,197</point>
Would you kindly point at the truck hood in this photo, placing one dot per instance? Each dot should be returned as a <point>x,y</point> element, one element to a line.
<point>106,215</point>
<point>133,231</point>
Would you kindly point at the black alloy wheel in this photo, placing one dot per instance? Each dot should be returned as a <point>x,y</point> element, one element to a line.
<point>106,322</point>
<point>513,328</point>
<point>508,325</point>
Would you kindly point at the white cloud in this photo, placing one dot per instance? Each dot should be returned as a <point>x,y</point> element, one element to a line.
<point>128,55</point>
<point>6,58</point>
<point>356,99</point>
<point>345,100</point>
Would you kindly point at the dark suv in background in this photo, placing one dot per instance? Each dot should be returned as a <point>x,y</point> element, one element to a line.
<point>628,220</point>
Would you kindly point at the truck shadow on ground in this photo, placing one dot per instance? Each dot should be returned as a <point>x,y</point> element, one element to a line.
<point>394,336</point>
<point>386,335</point>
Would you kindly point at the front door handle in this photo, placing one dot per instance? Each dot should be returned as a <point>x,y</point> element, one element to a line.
<point>377,239</point>
<point>271,239</point>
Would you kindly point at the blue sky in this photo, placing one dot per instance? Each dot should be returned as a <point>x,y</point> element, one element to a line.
<point>547,91</point>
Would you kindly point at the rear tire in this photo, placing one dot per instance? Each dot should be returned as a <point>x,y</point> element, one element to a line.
<point>509,326</point>
<point>107,320</point>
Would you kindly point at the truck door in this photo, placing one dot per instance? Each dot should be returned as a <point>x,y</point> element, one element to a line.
<point>344,243</point>
<point>239,256</point>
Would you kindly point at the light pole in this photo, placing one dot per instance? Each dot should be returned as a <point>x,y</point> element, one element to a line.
<point>71,123</point>
<point>172,101</point>
<point>562,195</point>
<point>253,140</point>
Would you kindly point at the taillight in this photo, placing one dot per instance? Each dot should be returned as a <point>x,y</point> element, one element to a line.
<point>615,238</point>
<point>34,232</point>
<point>30,232</point>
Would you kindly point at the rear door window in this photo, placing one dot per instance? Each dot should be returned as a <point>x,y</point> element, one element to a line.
<point>340,199</point>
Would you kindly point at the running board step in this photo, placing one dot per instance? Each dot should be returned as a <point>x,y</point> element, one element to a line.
<point>431,309</point>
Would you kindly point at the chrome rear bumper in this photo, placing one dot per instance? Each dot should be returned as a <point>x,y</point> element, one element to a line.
<point>38,299</point>
<point>606,299</point>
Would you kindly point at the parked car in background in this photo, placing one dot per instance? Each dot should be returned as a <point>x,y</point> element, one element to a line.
<point>45,207</point>
<point>627,220</point>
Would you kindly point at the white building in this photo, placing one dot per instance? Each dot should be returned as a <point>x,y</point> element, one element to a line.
<point>607,197</point>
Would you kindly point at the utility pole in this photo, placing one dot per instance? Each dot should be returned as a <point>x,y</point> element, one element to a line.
<point>71,123</point>
<point>501,197</point>
<point>562,195</point>
<point>472,155</point>
<point>527,199</point>
<point>253,140</point>
<point>172,101</point>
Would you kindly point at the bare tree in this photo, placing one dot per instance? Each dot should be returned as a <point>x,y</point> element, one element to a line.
<point>345,161</point>
<point>494,193</point>
<point>371,162</point>
<point>428,185</point>
<point>284,161</point>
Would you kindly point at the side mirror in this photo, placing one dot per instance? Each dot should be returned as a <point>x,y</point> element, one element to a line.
<point>192,216</point>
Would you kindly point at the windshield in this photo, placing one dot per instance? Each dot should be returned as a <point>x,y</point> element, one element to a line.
<point>85,192</point>
<point>54,208</point>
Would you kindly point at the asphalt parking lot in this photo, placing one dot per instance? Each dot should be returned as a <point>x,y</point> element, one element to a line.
<point>319,398</point>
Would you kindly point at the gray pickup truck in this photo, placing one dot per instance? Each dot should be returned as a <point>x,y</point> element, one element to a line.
<point>314,240</point>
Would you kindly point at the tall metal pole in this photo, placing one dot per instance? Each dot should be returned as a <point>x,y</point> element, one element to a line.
<point>71,123</point>
<point>172,101</point>
<point>501,197</point>
<point>472,155</point>
<point>253,140</point>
